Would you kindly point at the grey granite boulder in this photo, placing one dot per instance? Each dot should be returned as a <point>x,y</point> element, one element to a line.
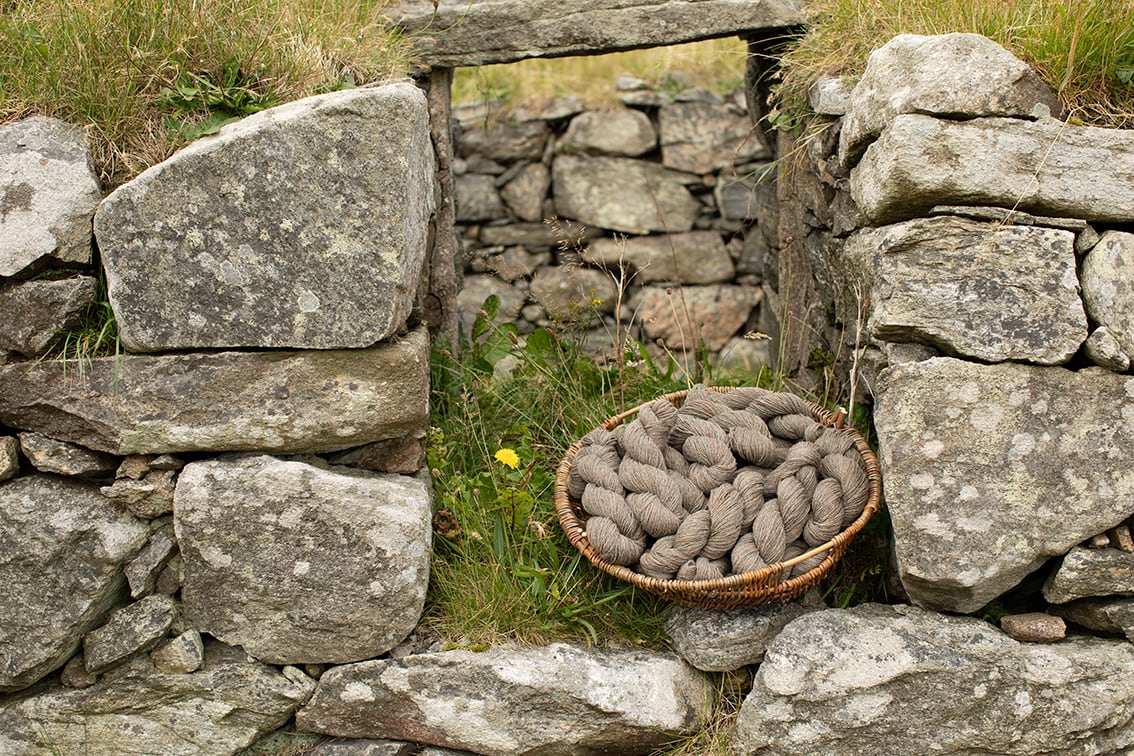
<point>621,194</point>
<point>902,681</point>
<point>698,257</point>
<point>61,568</point>
<point>300,564</point>
<point>137,709</point>
<point>526,191</point>
<point>919,162</point>
<point>986,291</point>
<point>621,131</point>
<point>1108,287</point>
<point>703,137</point>
<point>307,401</point>
<point>554,699</point>
<point>685,318</point>
<point>300,226</point>
<point>38,314</point>
<point>949,75</point>
<point>990,470</point>
<point>48,194</point>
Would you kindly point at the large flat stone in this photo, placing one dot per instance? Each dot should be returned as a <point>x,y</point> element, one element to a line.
<point>298,564</point>
<point>557,699</point>
<point>300,226</point>
<point>137,709</point>
<point>987,291</point>
<point>308,401</point>
<point>459,33</point>
<point>622,194</point>
<point>61,568</point>
<point>901,681</point>
<point>990,470</point>
<point>48,193</point>
<point>948,75</point>
<point>1044,167</point>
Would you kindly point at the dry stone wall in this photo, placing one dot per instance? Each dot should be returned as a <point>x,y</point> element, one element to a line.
<point>578,219</point>
<point>223,530</point>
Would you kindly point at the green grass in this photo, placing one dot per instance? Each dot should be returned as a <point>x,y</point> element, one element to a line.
<point>503,569</point>
<point>1085,50</point>
<point>145,76</point>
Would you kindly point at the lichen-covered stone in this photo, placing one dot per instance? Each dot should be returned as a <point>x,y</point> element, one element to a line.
<point>61,565</point>
<point>698,257</point>
<point>990,292</point>
<point>990,470</point>
<point>949,75</point>
<point>48,193</point>
<point>39,314</point>
<point>1108,288</point>
<point>135,708</point>
<point>903,681</point>
<point>306,401</point>
<point>130,630</point>
<point>553,699</point>
<point>920,162</point>
<point>621,194</point>
<point>300,564</point>
<point>304,225</point>
<point>1091,572</point>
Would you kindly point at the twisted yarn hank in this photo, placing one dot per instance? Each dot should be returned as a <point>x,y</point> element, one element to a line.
<point>728,483</point>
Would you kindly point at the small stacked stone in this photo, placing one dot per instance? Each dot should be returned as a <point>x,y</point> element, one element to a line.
<point>728,483</point>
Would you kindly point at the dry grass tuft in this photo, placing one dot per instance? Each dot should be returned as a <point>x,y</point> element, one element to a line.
<point>1084,49</point>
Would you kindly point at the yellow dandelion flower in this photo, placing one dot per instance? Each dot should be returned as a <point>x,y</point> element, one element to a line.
<point>508,457</point>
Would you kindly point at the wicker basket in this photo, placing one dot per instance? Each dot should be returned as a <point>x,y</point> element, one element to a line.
<point>763,586</point>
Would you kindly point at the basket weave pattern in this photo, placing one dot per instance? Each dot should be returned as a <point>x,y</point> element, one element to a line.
<point>765,585</point>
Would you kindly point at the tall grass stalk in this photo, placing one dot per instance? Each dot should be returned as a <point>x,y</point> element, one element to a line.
<point>110,64</point>
<point>1082,48</point>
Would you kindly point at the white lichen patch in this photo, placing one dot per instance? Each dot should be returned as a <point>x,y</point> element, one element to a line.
<point>308,301</point>
<point>356,692</point>
<point>932,449</point>
<point>301,568</point>
<point>986,417</point>
<point>215,557</point>
<point>968,393</point>
<point>922,481</point>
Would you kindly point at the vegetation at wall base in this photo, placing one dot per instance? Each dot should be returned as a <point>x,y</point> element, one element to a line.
<point>145,76</point>
<point>1084,50</point>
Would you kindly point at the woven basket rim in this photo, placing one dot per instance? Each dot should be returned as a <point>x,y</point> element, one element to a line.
<point>735,591</point>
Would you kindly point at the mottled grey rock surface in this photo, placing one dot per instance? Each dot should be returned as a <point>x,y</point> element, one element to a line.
<point>1108,289</point>
<point>621,194</point>
<point>553,699</point>
<point>303,225</point>
<point>49,455</point>
<point>902,681</point>
<point>137,709</point>
<point>48,194</point>
<point>307,401</point>
<point>131,629</point>
<point>38,314</point>
<point>62,571</point>
<point>992,469</point>
<point>456,33</point>
<point>698,257</point>
<point>990,292</point>
<point>920,162</point>
<point>300,564</point>
<point>622,131</point>
<point>702,137</point>
<point>1091,572</point>
<point>684,318</point>
<point>721,641</point>
<point>949,75</point>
